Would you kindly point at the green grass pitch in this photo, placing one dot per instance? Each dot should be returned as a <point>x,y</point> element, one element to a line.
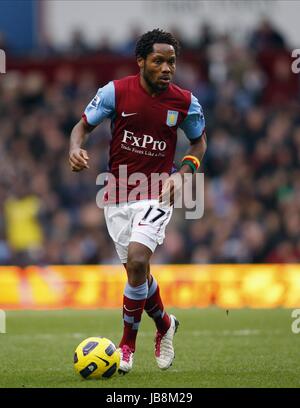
<point>246,348</point>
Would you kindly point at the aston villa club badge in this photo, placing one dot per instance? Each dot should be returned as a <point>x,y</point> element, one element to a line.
<point>172,117</point>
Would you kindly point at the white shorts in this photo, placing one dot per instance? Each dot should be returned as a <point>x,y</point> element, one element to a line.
<point>141,221</point>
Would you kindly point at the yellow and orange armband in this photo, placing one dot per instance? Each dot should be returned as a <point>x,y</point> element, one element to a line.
<point>191,161</point>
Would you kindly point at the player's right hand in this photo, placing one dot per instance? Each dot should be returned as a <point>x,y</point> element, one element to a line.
<point>171,189</point>
<point>78,159</point>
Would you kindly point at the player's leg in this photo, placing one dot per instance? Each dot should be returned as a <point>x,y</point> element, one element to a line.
<point>155,308</point>
<point>149,227</point>
<point>154,305</point>
<point>118,222</point>
<point>166,325</point>
<point>134,299</point>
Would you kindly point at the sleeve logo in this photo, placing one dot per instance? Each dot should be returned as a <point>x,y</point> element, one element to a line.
<point>95,102</point>
<point>172,117</point>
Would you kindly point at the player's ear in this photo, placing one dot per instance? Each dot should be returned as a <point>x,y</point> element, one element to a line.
<point>140,62</point>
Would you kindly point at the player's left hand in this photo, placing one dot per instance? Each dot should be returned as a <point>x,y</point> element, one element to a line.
<point>171,189</point>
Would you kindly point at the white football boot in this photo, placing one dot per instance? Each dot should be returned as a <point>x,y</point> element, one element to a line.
<point>164,350</point>
<point>126,360</point>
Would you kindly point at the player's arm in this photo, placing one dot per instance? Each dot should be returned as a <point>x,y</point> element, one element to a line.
<point>102,106</point>
<point>78,157</point>
<point>194,128</point>
<point>190,163</point>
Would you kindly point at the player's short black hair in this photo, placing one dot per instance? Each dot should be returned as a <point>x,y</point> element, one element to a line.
<point>144,45</point>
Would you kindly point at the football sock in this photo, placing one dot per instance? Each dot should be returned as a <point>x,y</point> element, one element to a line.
<point>134,300</point>
<point>155,308</point>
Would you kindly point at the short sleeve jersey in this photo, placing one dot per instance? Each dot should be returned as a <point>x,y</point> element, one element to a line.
<point>144,130</point>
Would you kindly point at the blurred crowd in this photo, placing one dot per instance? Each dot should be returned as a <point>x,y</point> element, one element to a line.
<point>251,101</point>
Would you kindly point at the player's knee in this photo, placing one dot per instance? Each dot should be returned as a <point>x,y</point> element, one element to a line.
<point>137,268</point>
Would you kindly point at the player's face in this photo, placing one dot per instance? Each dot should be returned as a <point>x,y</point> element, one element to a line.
<point>159,67</point>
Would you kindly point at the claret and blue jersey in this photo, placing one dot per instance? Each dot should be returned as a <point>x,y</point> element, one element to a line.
<point>144,128</point>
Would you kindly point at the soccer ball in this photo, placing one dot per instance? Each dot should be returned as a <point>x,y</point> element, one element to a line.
<point>96,357</point>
